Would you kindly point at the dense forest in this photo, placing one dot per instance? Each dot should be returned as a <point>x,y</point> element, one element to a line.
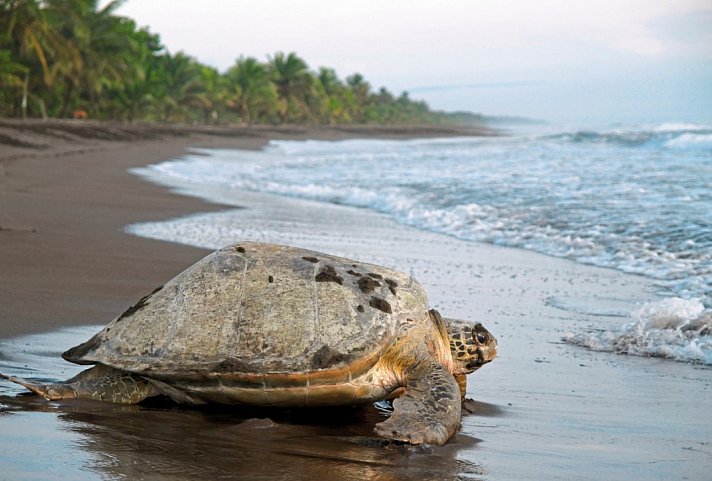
<point>71,58</point>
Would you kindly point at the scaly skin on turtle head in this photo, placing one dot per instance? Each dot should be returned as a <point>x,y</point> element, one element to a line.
<point>472,345</point>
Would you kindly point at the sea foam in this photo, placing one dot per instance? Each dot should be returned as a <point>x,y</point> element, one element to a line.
<point>690,140</point>
<point>675,328</point>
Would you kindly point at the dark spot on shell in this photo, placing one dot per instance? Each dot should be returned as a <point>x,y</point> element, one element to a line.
<point>311,259</point>
<point>392,285</point>
<point>367,285</point>
<point>380,304</point>
<point>360,308</point>
<point>328,274</point>
<point>327,357</point>
<point>375,276</point>
<point>143,302</point>
<point>240,249</point>
<point>353,273</point>
<point>270,279</point>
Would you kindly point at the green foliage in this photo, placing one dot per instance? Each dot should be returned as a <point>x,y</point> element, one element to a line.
<point>249,91</point>
<point>61,58</point>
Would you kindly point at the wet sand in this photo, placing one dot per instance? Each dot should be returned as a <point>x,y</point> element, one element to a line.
<point>544,409</point>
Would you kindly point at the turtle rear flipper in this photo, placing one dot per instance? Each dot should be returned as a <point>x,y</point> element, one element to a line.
<point>429,409</point>
<point>51,392</point>
<point>99,382</point>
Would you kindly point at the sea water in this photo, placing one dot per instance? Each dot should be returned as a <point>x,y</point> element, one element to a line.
<point>636,199</point>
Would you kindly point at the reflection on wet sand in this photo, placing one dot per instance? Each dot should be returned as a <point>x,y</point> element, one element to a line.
<point>162,441</point>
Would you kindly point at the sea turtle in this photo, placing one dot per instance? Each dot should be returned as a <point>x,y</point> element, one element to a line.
<point>272,325</point>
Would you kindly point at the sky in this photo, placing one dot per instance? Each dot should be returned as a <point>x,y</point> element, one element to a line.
<point>642,61</point>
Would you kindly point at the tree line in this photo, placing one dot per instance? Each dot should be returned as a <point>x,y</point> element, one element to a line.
<point>64,58</point>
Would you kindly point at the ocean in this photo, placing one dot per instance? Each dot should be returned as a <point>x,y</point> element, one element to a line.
<point>637,199</point>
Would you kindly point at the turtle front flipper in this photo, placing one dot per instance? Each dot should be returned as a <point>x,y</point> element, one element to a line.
<point>99,382</point>
<point>429,410</point>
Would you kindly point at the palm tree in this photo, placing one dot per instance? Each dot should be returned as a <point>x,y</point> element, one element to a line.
<point>329,81</point>
<point>290,74</point>
<point>109,53</point>
<point>31,38</point>
<point>250,93</point>
<point>11,72</point>
<point>361,91</point>
<point>106,47</point>
<point>12,75</point>
<point>333,102</point>
<point>213,97</point>
<point>183,86</point>
<point>142,83</point>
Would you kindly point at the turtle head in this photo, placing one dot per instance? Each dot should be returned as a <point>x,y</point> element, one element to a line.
<point>471,345</point>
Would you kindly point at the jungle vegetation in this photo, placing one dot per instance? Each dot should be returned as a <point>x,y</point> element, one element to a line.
<point>73,58</point>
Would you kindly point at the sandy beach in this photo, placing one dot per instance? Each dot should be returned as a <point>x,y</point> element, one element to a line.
<point>544,409</point>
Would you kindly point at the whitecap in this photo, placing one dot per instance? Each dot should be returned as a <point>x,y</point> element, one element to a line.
<point>675,328</point>
<point>690,140</point>
<point>680,127</point>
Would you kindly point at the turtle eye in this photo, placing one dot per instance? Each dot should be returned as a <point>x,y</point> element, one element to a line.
<point>481,338</point>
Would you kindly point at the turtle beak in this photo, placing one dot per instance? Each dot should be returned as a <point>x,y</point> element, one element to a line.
<point>485,354</point>
<point>479,361</point>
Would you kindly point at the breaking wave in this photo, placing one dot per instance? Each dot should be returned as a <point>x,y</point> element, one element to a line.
<point>674,328</point>
<point>668,135</point>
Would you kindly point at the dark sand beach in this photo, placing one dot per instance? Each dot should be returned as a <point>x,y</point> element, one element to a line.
<point>543,409</point>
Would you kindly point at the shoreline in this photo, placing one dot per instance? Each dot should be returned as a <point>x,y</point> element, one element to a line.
<point>66,195</point>
<point>58,137</point>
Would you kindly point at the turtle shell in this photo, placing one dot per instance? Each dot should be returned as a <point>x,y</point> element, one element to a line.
<point>260,308</point>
